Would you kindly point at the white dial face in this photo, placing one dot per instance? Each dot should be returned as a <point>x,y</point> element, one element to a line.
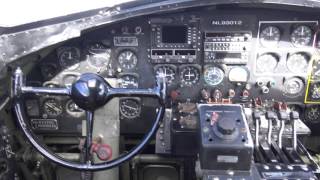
<point>98,55</point>
<point>298,63</point>
<point>238,74</point>
<point>166,72</point>
<point>130,108</point>
<point>213,75</point>
<point>267,63</point>
<point>293,86</point>
<point>301,36</point>
<point>270,36</point>
<point>128,81</point>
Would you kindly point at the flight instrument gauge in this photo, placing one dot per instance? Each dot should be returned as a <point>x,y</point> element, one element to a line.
<point>97,48</point>
<point>298,63</point>
<point>99,60</point>
<point>127,59</point>
<point>301,36</point>
<point>52,107</point>
<point>167,72</point>
<point>189,75</point>
<point>267,63</point>
<point>99,55</point>
<point>293,86</point>
<point>270,36</point>
<point>128,81</point>
<point>70,58</point>
<point>130,108</point>
<point>213,75</point>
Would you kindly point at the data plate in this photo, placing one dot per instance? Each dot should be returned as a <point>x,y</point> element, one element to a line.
<point>44,124</point>
<point>125,41</point>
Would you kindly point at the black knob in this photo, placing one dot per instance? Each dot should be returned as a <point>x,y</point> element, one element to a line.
<point>256,114</point>
<point>271,115</point>
<point>90,91</point>
<point>283,115</point>
<point>226,126</point>
<point>294,115</point>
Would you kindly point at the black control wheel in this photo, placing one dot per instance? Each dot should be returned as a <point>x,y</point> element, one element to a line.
<point>89,92</point>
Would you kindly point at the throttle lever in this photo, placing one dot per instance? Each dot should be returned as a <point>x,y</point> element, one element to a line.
<point>283,116</point>
<point>257,118</point>
<point>270,116</point>
<point>294,116</point>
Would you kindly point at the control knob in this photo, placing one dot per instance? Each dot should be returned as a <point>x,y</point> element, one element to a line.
<point>226,126</point>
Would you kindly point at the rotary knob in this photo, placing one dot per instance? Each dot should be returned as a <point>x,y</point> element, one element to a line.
<point>226,126</point>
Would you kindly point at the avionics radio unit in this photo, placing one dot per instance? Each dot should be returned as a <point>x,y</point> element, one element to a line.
<point>227,47</point>
<point>174,40</point>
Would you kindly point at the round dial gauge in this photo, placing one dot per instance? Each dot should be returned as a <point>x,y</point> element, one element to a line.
<point>73,109</point>
<point>312,114</point>
<point>52,107</point>
<point>213,75</point>
<point>238,74</point>
<point>267,63</point>
<point>97,48</point>
<point>99,55</point>
<point>99,60</point>
<point>293,86</point>
<point>128,81</point>
<point>298,63</point>
<point>127,59</point>
<point>70,58</point>
<point>301,36</point>
<point>269,36</point>
<point>167,72</point>
<point>130,108</point>
<point>189,75</point>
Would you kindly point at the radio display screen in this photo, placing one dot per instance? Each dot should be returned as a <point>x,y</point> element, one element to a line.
<point>228,56</point>
<point>174,34</point>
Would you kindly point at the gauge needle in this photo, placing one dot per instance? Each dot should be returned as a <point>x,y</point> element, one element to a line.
<point>129,107</point>
<point>53,107</point>
<point>129,56</point>
<point>270,32</point>
<point>302,30</point>
<point>189,75</point>
<point>69,55</point>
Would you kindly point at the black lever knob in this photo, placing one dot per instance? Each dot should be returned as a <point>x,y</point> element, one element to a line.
<point>256,114</point>
<point>283,115</point>
<point>90,91</point>
<point>271,115</point>
<point>294,115</point>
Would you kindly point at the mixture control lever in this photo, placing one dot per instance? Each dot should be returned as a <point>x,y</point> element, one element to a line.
<point>283,116</point>
<point>257,118</point>
<point>271,116</point>
<point>294,116</point>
